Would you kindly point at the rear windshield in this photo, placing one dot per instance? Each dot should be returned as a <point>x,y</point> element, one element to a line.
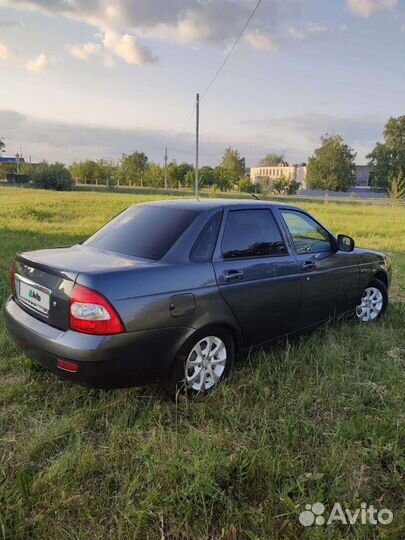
<point>143,231</point>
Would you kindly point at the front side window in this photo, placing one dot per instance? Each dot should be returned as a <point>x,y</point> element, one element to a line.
<point>144,231</point>
<point>251,233</point>
<point>308,236</point>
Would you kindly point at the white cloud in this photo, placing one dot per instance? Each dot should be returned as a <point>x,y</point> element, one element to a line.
<point>127,48</point>
<point>296,33</point>
<point>187,22</point>
<point>85,51</point>
<point>365,8</point>
<point>261,41</point>
<point>66,142</point>
<point>316,29</point>
<point>5,53</point>
<point>297,136</point>
<point>114,45</point>
<point>38,64</point>
<point>309,30</point>
<point>10,24</point>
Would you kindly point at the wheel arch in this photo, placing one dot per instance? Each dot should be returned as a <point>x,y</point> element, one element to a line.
<point>381,276</point>
<point>233,331</point>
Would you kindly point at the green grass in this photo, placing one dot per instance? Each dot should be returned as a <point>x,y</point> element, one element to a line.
<point>319,419</point>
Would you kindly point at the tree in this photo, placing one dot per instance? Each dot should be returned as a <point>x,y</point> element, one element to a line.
<point>84,171</point>
<point>132,167</point>
<point>7,168</point>
<point>154,175</point>
<point>179,174</point>
<point>293,187</point>
<point>332,165</point>
<point>387,160</point>
<point>280,185</point>
<point>2,145</point>
<point>207,176</point>
<point>273,160</point>
<point>55,176</point>
<point>223,178</point>
<point>234,164</point>
<point>105,171</point>
<point>246,186</point>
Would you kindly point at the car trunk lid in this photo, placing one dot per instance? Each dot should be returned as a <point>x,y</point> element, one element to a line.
<point>45,278</point>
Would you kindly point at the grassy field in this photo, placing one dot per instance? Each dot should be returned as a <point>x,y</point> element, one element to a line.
<point>320,419</point>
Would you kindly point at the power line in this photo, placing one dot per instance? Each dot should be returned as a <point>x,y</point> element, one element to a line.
<point>221,67</point>
<point>230,51</point>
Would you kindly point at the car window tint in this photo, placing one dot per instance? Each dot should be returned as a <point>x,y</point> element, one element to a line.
<point>307,234</point>
<point>143,231</point>
<point>251,233</point>
<point>204,246</point>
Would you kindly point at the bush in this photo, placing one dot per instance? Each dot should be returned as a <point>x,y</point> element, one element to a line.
<point>293,187</point>
<point>397,189</point>
<point>55,176</point>
<point>246,186</point>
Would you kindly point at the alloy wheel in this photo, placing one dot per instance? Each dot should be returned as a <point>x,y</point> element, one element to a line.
<point>371,305</point>
<point>205,364</point>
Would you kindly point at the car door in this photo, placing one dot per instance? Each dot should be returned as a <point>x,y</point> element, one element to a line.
<point>330,278</point>
<point>257,275</point>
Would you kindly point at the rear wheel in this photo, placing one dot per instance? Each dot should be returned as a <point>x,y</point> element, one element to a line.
<point>206,360</point>
<point>373,302</point>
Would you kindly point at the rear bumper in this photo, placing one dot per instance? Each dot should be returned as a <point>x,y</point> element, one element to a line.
<point>130,359</point>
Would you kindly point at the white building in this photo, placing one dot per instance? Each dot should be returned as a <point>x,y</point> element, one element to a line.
<point>362,176</point>
<point>266,175</point>
<point>260,175</point>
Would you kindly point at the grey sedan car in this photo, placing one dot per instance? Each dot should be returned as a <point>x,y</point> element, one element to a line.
<point>168,291</point>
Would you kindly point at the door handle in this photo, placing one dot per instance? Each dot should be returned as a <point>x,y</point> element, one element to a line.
<point>233,275</point>
<point>308,266</point>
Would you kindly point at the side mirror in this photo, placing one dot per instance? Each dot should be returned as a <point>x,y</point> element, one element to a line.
<point>345,243</point>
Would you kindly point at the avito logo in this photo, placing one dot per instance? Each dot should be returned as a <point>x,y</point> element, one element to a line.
<point>314,514</point>
<point>34,295</point>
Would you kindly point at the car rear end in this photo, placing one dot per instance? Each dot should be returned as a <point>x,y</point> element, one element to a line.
<point>78,334</point>
<point>68,329</point>
<point>60,316</point>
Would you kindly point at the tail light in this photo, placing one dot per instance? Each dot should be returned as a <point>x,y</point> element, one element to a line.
<point>91,313</point>
<point>12,279</point>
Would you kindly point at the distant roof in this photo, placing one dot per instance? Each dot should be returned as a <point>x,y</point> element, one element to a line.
<point>208,204</point>
<point>11,160</point>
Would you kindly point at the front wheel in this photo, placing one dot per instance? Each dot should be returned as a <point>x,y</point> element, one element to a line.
<point>373,302</point>
<point>207,360</point>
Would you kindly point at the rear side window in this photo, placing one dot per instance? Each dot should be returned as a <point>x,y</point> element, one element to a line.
<point>205,244</point>
<point>252,233</point>
<point>143,231</point>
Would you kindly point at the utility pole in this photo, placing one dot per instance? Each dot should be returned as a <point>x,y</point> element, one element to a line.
<point>197,144</point>
<point>166,167</point>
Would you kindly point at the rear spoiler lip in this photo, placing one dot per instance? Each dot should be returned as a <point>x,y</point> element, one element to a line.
<point>65,274</point>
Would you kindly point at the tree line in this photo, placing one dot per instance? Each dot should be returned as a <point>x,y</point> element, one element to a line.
<point>135,169</point>
<point>331,167</point>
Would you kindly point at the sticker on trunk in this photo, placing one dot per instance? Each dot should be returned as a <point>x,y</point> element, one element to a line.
<point>34,298</point>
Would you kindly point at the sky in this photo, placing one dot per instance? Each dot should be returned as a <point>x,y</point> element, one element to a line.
<point>97,78</point>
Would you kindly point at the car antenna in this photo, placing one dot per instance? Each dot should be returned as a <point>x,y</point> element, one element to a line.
<point>255,196</point>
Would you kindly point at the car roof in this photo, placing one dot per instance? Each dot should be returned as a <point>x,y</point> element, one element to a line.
<point>209,204</point>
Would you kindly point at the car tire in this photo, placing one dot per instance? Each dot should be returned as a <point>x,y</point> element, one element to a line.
<point>205,360</point>
<point>374,302</point>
